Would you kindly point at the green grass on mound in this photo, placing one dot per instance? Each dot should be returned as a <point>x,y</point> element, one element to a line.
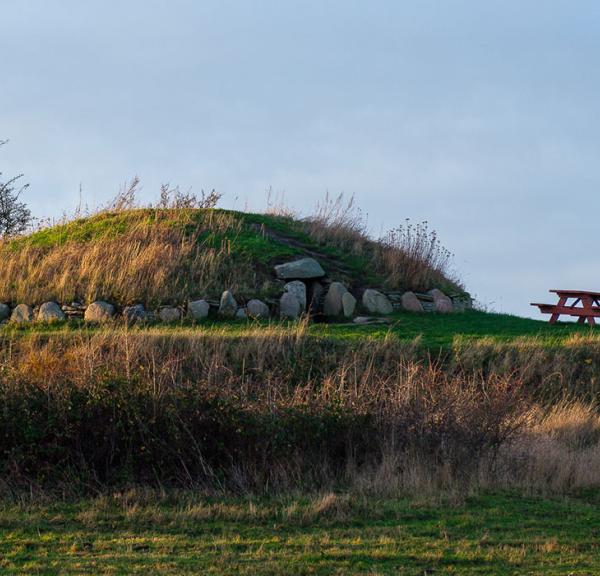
<point>490,534</point>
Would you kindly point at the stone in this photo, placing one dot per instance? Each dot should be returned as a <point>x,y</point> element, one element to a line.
<point>99,311</point>
<point>376,302</point>
<point>22,313</point>
<point>315,296</point>
<point>241,314</point>
<point>257,309</point>
<point>348,304</point>
<point>441,302</point>
<point>135,313</point>
<point>50,312</point>
<point>289,307</point>
<point>332,305</point>
<point>227,305</point>
<point>364,320</point>
<point>169,314</point>
<point>4,311</point>
<point>198,309</point>
<point>304,268</point>
<point>462,303</point>
<point>411,303</point>
<point>298,289</point>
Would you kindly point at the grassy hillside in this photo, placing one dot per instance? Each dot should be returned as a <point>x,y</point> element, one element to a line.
<point>169,255</point>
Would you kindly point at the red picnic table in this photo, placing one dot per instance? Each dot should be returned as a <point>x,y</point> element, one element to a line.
<point>585,305</point>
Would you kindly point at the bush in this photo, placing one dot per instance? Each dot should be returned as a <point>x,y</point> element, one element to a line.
<point>120,408</point>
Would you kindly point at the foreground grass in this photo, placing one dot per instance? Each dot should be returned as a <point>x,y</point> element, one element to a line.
<point>489,534</point>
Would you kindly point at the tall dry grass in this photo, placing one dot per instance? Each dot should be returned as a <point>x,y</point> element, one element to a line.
<point>276,411</point>
<point>154,256</point>
<point>409,257</point>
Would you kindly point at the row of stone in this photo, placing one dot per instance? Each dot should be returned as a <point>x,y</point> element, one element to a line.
<point>338,302</point>
<point>101,311</point>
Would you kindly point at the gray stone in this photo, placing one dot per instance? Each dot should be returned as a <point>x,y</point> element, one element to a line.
<point>22,313</point>
<point>227,306</point>
<point>365,320</point>
<point>135,313</point>
<point>50,312</point>
<point>257,309</point>
<point>241,314</point>
<point>99,311</point>
<point>348,304</point>
<point>169,314</point>
<point>441,302</point>
<point>4,311</point>
<point>289,307</point>
<point>303,268</point>
<point>376,302</point>
<point>332,305</point>
<point>198,309</point>
<point>411,303</point>
<point>462,303</point>
<point>315,296</point>
<point>298,289</point>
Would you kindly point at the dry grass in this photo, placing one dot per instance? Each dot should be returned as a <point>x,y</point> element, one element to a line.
<point>160,256</point>
<point>413,257</point>
<point>410,257</point>
<point>277,411</point>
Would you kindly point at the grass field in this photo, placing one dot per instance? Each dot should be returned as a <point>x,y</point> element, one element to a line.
<point>432,330</point>
<point>487,534</point>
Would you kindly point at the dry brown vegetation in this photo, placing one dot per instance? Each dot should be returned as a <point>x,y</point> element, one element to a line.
<point>409,257</point>
<point>144,255</point>
<point>277,411</point>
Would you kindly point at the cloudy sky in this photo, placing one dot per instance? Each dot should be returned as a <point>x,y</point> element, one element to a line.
<point>482,118</point>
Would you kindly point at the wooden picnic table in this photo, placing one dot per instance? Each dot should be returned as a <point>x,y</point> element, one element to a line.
<point>585,305</point>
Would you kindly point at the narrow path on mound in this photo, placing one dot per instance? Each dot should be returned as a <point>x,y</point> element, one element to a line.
<point>331,264</point>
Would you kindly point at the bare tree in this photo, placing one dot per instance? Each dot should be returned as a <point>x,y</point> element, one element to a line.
<point>14,215</point>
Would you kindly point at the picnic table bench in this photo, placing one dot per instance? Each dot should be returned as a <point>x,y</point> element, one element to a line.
<point>584,305</point>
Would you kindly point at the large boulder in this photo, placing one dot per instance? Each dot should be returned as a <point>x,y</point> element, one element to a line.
<point>289,306</point>
<point>304,268</point>
<point>22,313</point>
<point>4,311</point>
<point>169,314</point>
<point>411,303</point>
<point>332,305</point>
<point>227,306</point>
<point>198,309</point>
<point>441,302</point>
<point>348,304</point>
<point>50,312</point>
<point>257,309</point>
<point>135,313</point>
<point>376,302</point>
<point>298,289</point>
<point>99,311</point>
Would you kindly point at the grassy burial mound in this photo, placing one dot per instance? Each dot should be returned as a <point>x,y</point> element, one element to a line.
<point>169,256</point>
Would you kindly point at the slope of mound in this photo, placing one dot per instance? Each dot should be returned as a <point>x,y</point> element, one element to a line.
<point>169,255</point>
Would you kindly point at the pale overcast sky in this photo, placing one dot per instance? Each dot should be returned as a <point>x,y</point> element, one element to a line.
<point>482,117</point>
